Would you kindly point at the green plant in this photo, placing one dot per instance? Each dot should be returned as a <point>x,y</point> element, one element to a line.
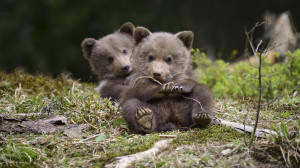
<point>289,144</point>
<point>238,81</point>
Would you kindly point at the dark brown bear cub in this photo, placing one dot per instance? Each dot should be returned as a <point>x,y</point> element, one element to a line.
<point>109,58</point>
<point>162,97</point>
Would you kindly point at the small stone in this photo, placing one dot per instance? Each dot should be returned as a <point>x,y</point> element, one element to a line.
<point>226,151</point>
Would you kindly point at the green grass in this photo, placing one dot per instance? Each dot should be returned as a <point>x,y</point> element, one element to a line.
<point>109,136</point>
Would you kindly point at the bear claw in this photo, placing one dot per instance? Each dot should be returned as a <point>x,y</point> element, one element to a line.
<point>202,119</point>
<point>181,89</point>
<point>167,87</point>
<point>144,117</point>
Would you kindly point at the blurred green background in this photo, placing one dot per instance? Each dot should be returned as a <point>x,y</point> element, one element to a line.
<point>45,35</point>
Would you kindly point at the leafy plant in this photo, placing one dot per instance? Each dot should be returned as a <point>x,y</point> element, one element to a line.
<point>237,80</point>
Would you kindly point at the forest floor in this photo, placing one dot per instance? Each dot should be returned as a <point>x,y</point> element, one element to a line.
<point>99,134</point>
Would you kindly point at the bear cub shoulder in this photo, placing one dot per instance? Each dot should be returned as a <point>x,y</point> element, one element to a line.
<point>109,58</point>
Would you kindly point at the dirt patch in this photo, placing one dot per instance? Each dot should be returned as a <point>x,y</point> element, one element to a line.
<point>268,154</point>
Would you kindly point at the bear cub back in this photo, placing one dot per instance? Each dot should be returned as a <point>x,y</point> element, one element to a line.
<point>162,96</point>
<point>109,58</point>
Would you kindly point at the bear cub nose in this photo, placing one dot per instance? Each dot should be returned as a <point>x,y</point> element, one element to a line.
<point>126,68</point>
<point>156,74</point>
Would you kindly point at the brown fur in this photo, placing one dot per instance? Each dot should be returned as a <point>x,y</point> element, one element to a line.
<point>109,61</point>
<point>171,98</point>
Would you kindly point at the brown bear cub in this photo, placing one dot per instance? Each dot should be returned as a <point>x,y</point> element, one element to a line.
<point>109,58</point>
<point>162,97</point>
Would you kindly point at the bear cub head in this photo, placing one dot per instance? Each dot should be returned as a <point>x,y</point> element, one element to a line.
<point>163,56</point>
<point>109,57</point>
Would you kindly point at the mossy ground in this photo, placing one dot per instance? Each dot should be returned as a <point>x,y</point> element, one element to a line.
<point>108,137</point>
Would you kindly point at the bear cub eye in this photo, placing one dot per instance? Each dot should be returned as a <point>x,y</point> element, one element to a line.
<point>150,58</point>
<point>169,60</point>
<point>125,52</point>
<point>110,59</point>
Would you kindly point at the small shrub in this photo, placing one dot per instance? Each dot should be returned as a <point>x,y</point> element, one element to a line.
<point>239,80</point>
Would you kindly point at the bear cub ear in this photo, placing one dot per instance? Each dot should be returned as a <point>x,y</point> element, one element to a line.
<point>186,37</point>
<point>140,33</point>
<point>127,28</point>
<point>87,46</point>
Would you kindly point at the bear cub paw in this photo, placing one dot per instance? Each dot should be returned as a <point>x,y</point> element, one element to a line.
<point>144,117</point>
<point>202,119</point>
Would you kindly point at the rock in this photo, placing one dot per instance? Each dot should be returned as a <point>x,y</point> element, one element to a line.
<point>226,151</point>
<point>51,124</point>
<point>76,131</point>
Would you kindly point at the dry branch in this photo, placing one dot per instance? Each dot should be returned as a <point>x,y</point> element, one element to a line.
<point>262,133</point>
<point>127,161</point>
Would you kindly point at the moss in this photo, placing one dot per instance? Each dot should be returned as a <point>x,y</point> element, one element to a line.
<point>213,133</point>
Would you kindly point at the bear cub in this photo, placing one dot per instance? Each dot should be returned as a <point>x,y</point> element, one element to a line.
<point>161,96</point>
<point>109,58</point>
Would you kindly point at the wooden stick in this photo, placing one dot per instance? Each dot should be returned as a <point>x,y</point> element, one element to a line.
<point>262,133</point>
<point>126,161</point>
<point>167,136</point>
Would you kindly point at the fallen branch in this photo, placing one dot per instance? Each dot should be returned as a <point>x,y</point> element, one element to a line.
<point>126,161</point>
<point>167,136</point>
<point>28,114</point>
<point>262,133</point>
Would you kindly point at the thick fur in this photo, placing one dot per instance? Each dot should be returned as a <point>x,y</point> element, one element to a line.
<point>109,58</point>
<point>165,102</point>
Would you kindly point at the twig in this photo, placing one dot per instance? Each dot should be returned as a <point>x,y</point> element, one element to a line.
<point>270,75</point>
<point>244,123</point>
<point>249,36</point>
<point>147,77</point>
<point>283,154</point>
<point>259,100</point>
<point>252,77</point>
<point>258,45</point>
<point>194,100</point>
<point>83,140</point>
